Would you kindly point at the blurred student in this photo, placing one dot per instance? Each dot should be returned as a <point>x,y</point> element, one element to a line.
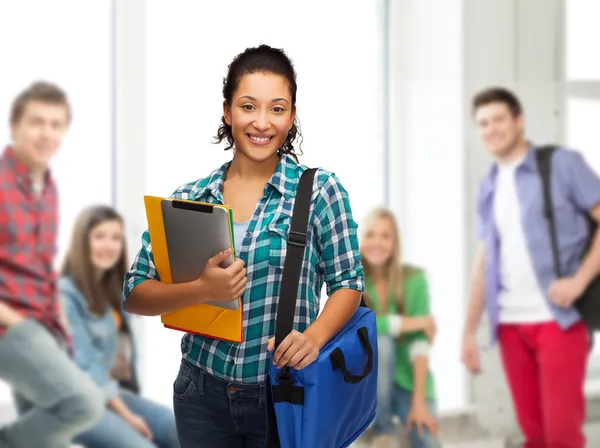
<point>399,295</point>
<point>55,399</point>
<point>90,288</point>
<point>543,342</point>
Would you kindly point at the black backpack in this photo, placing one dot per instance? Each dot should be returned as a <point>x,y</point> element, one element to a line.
<point>588,304</point>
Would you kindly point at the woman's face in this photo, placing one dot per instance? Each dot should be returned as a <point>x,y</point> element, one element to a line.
<point>106,244</point>
<point>377,246</point>
<point>260,115</point>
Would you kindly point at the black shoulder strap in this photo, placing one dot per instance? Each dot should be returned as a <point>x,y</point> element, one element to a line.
<point>288,293</point>
<point>286,308</point>
<point>544,162</point>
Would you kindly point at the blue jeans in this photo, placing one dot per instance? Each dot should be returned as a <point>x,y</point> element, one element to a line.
<point>114,432</point>
<point>393,400</point>
<point>212,413</point>
<point>386,353</point>
<point>56,400</point>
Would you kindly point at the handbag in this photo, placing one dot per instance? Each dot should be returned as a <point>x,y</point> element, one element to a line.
<point>332,401</point>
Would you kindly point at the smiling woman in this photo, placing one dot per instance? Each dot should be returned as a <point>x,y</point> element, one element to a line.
<point>259,184</point>
<point>260,121</point>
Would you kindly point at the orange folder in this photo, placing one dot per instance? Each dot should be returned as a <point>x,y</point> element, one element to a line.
<point>203,319</point>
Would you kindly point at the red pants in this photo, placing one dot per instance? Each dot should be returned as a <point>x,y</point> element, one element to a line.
<point>545,368</point>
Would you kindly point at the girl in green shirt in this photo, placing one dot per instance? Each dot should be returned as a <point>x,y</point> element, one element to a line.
<point>399,295</point>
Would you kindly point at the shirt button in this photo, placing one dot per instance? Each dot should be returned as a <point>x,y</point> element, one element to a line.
<point>248,234</point>
<point>259,209</point>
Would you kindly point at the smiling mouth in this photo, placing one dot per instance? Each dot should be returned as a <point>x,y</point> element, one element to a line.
<point>261,140</point>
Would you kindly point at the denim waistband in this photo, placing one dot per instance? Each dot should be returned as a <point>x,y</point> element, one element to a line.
<point>205,380</point>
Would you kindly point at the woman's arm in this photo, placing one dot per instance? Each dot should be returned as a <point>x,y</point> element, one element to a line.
<point>146,295</point>
<point>342,272</point>
<point>340,261</point>
<point>420,375</point>
<point>138,423</point>
<point>85,353</point>
<point>118,405</point>
<point>396,325</point>
<point>417,305</point>
<point>338,310</point>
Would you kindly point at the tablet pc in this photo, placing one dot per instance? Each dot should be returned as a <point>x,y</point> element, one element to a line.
<point>194,233</point>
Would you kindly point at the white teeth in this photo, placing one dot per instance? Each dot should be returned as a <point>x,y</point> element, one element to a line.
<point>260,139</point>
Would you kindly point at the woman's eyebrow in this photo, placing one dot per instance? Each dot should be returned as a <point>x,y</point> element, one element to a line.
<point>251,98</point>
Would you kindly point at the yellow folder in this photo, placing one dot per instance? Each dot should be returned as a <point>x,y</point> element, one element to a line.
<point>203,319</point>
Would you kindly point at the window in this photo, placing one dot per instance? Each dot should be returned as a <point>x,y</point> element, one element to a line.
<point>582,40</point>
<point>582,119</point>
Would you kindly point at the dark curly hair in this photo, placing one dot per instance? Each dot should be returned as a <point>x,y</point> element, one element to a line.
<point>263,59</point>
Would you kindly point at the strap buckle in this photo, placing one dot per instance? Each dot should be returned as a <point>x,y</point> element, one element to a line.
<point>285,378</point>
<point>297,239</point>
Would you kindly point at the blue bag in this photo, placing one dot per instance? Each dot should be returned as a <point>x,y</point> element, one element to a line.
<point>331,402</point>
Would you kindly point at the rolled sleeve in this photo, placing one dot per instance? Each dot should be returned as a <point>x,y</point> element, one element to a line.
<point>585,183</point>
<point>480,235</point>
<point>142,269</point>
<point>111,389</point>
<point>338,240</point>
<point>419,347</point>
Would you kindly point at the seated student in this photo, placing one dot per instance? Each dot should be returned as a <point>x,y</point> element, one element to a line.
<point>398,295</point>
<point>90,289</point>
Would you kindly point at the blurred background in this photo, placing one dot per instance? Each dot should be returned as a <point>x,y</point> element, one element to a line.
<point>384,88</point>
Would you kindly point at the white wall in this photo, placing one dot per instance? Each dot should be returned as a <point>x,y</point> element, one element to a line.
<point>428,138</point>
<point>187,49</point>
<point>67,42</point>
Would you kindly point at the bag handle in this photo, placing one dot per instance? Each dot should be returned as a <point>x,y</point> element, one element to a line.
<point>338,361</point>
<point>544,159</point>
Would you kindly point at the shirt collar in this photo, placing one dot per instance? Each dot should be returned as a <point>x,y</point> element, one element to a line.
<point>284,180</point>
<point>528,162</point>
<point>21,170</point>
<point>17,166</point>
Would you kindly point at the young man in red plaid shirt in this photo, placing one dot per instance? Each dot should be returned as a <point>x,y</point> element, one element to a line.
<point>55,398</point>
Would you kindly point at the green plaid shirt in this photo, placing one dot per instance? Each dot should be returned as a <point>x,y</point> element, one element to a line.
<point>331,257</point>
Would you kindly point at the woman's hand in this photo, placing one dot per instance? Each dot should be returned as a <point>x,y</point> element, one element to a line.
<point>421,419</point>
<point>297,350</point>
<point>413,324</point>
<point>135,421</point>
<point>220,284</point>
<point>140,425</point>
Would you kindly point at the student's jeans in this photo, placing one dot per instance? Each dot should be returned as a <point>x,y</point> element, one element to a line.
<point>545,367</point>
<point>393,400</point>
<point>212,413</point>
<point>64,400</point>
<point>114,432</point>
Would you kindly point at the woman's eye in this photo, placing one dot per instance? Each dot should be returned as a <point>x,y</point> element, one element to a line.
<point>247,106</point>
<point>278,109</point>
